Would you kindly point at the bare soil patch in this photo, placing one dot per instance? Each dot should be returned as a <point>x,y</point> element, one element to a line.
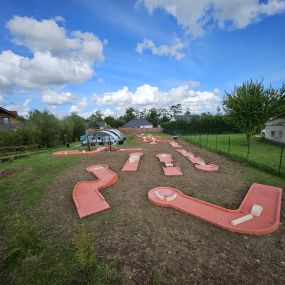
<point>154,245</point>
<point>10,171</point>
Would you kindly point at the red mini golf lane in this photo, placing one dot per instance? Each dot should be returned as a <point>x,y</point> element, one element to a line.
<point>200,163</point>
<point>133,161</point>
<point>262,196</point>
<point>86,195</point>
<point>175,144</point>
<point>76,151</point>
<point>169,169</point>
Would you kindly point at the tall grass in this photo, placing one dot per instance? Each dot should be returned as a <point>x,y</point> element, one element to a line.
<point>262,154</point>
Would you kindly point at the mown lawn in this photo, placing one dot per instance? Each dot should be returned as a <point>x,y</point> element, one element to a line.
<point>27,256</point>
<point>262,153</point>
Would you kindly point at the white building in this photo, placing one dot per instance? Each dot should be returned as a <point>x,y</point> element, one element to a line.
<point>275,130</point>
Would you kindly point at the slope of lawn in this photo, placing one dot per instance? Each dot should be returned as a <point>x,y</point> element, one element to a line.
<point>29,257</point>
<point>263,154</point>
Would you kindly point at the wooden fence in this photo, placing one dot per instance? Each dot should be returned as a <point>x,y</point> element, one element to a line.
<point>15,151</point>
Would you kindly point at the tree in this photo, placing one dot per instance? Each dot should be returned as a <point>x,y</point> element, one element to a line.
<point>79,126</point>
<point>176,110</point>
<point>153,116</point>
<point>45,126</point>
<point>164,115</point>
<point>93,120</point>
<point>130,114</point>
<point>67,129</point>
<point>250,106</point>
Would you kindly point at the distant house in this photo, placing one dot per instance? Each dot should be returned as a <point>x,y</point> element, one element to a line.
<point>8,119</point>
<point>275,130</point>
<point>101,124</point>
<point>138,123</point>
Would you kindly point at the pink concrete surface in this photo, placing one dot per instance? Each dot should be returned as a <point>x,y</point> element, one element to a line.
<point>77,152</point>
<point>133,161</point>
<point>86,196</point>
<point>266,196</point>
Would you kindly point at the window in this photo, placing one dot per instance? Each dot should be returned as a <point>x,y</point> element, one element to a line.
<point>272,134</point>
<point>6,120</point>
<point>280,134</point>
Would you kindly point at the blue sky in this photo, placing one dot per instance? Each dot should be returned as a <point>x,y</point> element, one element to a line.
<point>82,56</point>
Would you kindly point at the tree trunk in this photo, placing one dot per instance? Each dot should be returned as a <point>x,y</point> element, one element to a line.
<point>248,139</point>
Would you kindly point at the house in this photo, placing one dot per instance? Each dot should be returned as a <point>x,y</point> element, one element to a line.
<point>138,123</point>
<point>8,119</point>
<point>101,125</point>
<point>275,130</point>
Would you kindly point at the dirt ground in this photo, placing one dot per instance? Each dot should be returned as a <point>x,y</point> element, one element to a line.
<point>10,171</point>
<point>154,245</point>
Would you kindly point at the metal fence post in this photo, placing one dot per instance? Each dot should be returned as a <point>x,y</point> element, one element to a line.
<point>281,156</point>
<point>229,146</point>
<point>216,142</point>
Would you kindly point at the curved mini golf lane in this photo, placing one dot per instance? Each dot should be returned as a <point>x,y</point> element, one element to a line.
<point>86,196</point>
<point>268,197</point>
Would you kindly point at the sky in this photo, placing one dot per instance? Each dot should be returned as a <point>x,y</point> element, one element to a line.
<point>87,55</point>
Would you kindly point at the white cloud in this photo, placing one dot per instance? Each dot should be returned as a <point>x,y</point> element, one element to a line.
<point>80,107</point>
<point>119,97</point>
<point>193,83</point>
<point>23,109</point>
<point>195,15</point>
<point>108,112</point>
<point>216,91</point>
<point>105,113</point>
<point>162,50</point>
<point>42,70</point>
<point>52,97</point>
<point>1,99</point>
<point>58,57</point>
<point>46,35</point>
<point>150,96</point>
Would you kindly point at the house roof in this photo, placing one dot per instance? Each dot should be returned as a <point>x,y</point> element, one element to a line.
<point>134,123</point>
<point>101,124</point>
<point>12,113</point>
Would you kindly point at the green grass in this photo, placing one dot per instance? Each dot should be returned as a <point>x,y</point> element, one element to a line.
<point>30,257</point>
<point>263,154</point>
<point>131,141</point>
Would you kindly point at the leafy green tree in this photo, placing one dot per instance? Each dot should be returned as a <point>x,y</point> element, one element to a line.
<point>143,114</point>
<point>67,128</point>
<point>250,106</point>
<point>93,120</point>
<point>110,121</point>
<point>130,114</point>
<point>164,115</point>
<point>46,125</point>
<point>79,126</point>
<point>176,110</point>
<point>153,116</point>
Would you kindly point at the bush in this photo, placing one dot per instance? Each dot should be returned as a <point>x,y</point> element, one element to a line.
<point>204,123</point>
